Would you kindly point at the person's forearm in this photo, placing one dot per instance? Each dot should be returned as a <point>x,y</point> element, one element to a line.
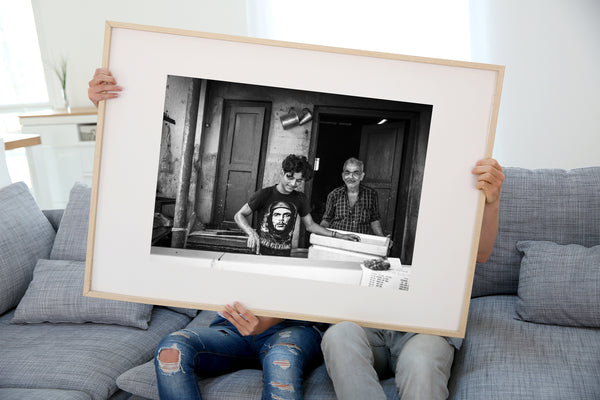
<point>242,223</point>
<point>246,322</point>
<point>376,227</point>
<point>267,322</point>
<point>489,230</point>
<point>320,230</point>
<point>313,227</point>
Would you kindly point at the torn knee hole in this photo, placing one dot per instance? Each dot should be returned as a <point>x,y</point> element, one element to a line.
<point>168,355</point>
<point>283,386</point>
<point>292,348</point>
<point>283,364</point>
<point>169,360</point>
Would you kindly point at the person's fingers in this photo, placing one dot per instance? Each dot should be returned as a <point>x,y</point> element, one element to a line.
<point>489,178</point>
<point>244,313</point>
<point>235,317</point>
<point>102,80</point>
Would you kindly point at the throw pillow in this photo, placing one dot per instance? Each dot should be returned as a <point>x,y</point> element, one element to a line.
<point>25,236</point>
<point>559,284</point>
<point>71,237</point>
<point>190,312</point>
<point>56,295</point>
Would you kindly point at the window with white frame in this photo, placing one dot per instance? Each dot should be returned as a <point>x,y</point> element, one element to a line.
<point>22,81</point>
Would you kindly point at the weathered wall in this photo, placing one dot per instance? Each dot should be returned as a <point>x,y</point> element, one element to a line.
<point>172,136</point>
<point>280,142</point>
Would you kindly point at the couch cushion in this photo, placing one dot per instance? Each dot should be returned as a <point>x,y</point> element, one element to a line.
<point>547,204</point>
<point>83,357</point>
<point>559,284</point>
<point>54,216</point>
<point>71,237</point>
<point>505,358</point>
<point>244,384</point>
<point>190,312</point>
<point>25,236</point>
<point>42,394</point>
<point>56,295</point>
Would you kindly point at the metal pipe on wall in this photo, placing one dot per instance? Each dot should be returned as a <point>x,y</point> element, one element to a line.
<point>179,236</point>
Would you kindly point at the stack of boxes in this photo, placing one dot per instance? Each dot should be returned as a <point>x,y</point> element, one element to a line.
<point>370,247</point>
<point>329,248</point>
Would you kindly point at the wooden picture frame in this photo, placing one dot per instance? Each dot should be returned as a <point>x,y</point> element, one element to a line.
<point>121,263</point>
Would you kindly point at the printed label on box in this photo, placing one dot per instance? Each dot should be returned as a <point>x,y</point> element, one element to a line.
<point>397,277</point>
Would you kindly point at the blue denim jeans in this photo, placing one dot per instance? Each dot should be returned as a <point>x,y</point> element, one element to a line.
<point>284,351</point>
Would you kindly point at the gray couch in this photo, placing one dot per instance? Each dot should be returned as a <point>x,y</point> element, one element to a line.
<point>533,329</point>
<point>534,318</point>
<point>88,342</point>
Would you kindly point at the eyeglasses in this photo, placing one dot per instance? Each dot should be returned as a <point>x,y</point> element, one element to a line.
<point>291,178</point>
<point>354,174</point>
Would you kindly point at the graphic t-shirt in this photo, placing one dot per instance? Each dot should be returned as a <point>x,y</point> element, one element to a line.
<point>277,215</point>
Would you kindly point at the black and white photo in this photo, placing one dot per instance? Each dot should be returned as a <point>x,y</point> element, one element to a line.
<point>162,228</point>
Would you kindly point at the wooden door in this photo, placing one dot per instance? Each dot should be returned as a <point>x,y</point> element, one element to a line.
<point>240,166</point>
<point>381,151</point>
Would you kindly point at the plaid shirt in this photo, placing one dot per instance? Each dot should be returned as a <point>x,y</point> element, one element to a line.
<point>358,218</point>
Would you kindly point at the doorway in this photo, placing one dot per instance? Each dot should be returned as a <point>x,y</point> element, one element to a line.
<point>241,157</point>
<point>386,141</point>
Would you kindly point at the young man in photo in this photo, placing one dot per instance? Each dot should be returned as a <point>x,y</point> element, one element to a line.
<point>278,207</point>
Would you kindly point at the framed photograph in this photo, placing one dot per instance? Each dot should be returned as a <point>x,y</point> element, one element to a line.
<point>206,120</point>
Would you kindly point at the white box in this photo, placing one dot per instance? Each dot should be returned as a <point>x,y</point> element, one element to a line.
<point>369,244</point>
<point>319,252</point>
<point>290,267</point>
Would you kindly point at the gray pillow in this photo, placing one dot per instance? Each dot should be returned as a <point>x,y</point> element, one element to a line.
<point>190,312</point>
<point>25,236</point>
<point>71,237</point>
<point>56,295</point>
<point>559,284</point>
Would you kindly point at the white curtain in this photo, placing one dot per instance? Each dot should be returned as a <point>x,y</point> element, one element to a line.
<point>427,28</point>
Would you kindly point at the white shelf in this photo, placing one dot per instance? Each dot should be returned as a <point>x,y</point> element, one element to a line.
<point>62,158</point>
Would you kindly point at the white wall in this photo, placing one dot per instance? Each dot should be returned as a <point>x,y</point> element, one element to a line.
<point>74,29</point>
<point>549,115</point>
<point>550,108</point>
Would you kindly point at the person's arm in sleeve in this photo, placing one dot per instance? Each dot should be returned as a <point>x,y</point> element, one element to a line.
<point>375,217</point>
<point>329,211</point>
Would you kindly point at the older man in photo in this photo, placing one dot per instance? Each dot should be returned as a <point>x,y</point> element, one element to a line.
<point>353,207</point>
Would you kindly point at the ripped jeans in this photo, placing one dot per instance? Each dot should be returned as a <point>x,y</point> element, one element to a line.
<point>284,351</point>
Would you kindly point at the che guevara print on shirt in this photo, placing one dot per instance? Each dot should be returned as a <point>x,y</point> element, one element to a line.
<point>277,214</point>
